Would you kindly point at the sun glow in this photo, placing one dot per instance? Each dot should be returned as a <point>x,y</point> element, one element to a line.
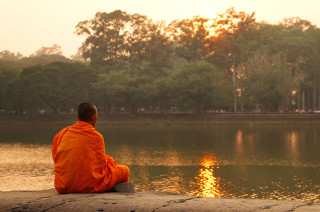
<point>209,27</point>
<point>209,184</point>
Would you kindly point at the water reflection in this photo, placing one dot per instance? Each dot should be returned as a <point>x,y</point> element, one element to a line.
<point>239,142</point>
<point>265,161</point>
<point>292,139</point>
<point>209,184</point>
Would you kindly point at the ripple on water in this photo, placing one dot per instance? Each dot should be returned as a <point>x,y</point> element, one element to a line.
<point>25,167</point>
<point>30,167</point>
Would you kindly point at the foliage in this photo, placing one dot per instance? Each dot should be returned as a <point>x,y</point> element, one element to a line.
<point>269,80</point>
<point>124,89</point>
<point>32,61</point>
<point>194,42</point>
<point>56,86</point>
<point>7,55</point>
<point>136,63</point>
<point>198,86</point>
<point>54,49</point>
<point>7,75</point>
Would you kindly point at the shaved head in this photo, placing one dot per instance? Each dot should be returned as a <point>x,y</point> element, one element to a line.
<point>86,110</point>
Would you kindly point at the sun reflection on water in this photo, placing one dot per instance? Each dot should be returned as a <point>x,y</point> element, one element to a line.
<point>209,184</point>
<point>292,140</point>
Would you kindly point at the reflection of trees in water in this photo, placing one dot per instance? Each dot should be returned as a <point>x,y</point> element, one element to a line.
<point>209,184</point>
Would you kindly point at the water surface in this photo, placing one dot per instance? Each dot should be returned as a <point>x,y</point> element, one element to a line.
<point>242,160</point>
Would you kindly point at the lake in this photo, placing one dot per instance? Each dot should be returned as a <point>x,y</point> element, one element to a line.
<point>230,160</point>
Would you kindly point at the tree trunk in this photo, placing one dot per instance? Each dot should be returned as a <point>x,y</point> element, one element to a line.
<point>241,103</point>
<point>308,100</point>
<point>234,86</point>
<point>318,97</point>
<point>303,101</point>
<point>132,109</point>
<point>314,101</point>
<point>199,108</point>
<point>299,99</point>
<point>111,109</point>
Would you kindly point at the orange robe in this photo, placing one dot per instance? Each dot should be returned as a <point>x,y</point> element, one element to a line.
<point>80,162</point>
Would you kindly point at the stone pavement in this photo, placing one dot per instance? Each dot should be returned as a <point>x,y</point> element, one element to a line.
<point>49,200</point>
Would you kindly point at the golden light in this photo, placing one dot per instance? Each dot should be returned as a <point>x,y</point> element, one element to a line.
<point>214,28</point>
<point>239,142</point>
<point>209,28</point>
<point>293,141</point>
<point>209,184</point>
<point>239,136</point>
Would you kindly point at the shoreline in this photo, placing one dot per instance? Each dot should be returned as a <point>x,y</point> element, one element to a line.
<point>170,119</point>
<point>49,200</point>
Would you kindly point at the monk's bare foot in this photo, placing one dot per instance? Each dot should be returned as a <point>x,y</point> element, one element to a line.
<point>124,187</point>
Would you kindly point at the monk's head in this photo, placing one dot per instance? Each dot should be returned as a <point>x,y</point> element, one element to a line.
<point>88,112</point>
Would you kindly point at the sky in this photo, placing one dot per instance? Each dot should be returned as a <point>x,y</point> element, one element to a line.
<point>27,25</point>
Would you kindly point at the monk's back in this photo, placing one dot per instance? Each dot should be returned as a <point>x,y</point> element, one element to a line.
<point>80,163</point>
<point>80,144</point>
<point>80,160</point>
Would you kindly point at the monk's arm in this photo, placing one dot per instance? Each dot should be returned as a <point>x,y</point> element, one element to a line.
<point>110,160</point>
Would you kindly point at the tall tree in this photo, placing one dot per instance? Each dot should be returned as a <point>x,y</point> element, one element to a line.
<point>57,87</point>
<point>105,43</point>
<point>194,42</point>
<point>158,49</point>
<point>125,89</point>
<point>313,63</point>
<point>300,50</point>
<point>198,86</point>
<point>269,81</point>
<point>233,28</point>
<point>136,38</point>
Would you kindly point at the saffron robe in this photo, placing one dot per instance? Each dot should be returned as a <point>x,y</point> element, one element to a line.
<point>80,162</point>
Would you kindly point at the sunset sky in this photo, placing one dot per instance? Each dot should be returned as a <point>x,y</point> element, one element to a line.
<point>27,25</point>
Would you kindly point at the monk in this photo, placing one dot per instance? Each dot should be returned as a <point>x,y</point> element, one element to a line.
<point>80,161</point>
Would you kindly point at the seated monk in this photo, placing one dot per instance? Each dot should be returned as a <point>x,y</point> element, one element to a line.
<point>80,162</point>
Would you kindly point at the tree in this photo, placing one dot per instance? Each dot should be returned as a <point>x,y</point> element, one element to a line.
<point>56,87</point>
<point>68,84</point>
<point>233,28</point>
<point>198,86</point>
<point>126,89</point>
<point>269,81</point>
<point>194,42</point>
<point>7,75</point>
<point>7,55</point>
<point>26,92</point>
<point>105,43</point>
<point>302,42</point>
<point>136,38</point>
<point>123,41</point>
<point>54,49</point>
<point>313,63</point>
<point>158,50</point>
<point>163,95</point>
<point>78,56</point>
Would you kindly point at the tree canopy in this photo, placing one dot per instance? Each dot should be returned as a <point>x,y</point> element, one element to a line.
<point>131,63</point>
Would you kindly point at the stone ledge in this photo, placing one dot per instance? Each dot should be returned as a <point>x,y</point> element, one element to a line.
<point>49,200</point>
